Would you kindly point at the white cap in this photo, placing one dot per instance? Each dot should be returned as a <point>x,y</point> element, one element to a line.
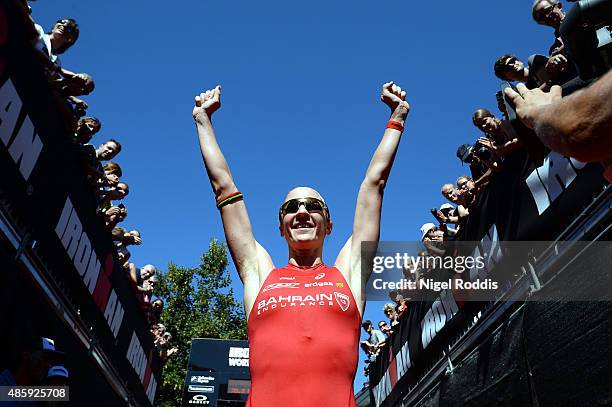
<point>426,228</point>
<point>446,206</point>
<point>57,371</point>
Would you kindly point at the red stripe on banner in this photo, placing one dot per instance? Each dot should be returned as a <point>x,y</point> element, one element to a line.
<point>103,285</point>
<point>147,376</point>
<point>392,368</point>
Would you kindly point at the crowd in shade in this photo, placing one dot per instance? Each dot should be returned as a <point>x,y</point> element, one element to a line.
<point>98,162</point>
<point>541,75</point>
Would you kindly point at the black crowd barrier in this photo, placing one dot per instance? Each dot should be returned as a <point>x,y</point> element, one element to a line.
<point>552,353</point>
<point>58,275</point>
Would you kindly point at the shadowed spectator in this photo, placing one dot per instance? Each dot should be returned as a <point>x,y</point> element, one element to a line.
<point>109,194</point>
<point>478,167</point>
<point>114,215</point>
<point>509,68</point>
<point>92,157</point>
<point>154,314</point>
<point>500,143</point>
<point>550,13</point>
<point>86,128</point>
<point>31,363</point>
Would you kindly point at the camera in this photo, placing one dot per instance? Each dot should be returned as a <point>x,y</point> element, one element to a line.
<point>482,152</point>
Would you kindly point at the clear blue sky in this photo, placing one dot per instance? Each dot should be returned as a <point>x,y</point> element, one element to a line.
<point>300,105</point>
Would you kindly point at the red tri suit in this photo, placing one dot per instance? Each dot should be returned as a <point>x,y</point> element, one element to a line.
<point>303,336</point>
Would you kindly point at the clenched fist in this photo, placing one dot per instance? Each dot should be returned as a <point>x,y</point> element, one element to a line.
<point>207,103</point>
<point>393,96</point>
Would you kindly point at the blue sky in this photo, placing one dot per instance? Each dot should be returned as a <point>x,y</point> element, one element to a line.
<point>300,105</point>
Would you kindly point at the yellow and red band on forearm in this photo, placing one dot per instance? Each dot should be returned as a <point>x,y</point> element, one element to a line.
<point>221,201</point>
<point>395,125</point>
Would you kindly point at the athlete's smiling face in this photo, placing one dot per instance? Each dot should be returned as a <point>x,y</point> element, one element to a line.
<point>304,223</point>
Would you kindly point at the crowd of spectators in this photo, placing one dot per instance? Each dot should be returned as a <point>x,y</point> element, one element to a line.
<point>105,176</point>
<point>532,92</point>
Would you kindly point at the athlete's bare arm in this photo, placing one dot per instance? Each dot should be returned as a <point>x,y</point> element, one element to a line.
<point>366,225</point>
<point>251,259</point>
<point>578,125</point>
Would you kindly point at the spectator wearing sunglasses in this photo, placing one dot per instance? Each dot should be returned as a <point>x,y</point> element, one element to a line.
<point>509,68</point>
<point>62,36</point>
<point>385,328</point>
<point>550,13</point>
<point>305,221</point>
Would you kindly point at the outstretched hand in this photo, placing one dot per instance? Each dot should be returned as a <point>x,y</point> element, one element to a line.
<point>207,102</point>
<point>530,103</point>
<point>393,96</point>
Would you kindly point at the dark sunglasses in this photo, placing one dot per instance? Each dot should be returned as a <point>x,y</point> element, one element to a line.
<point>310,204</point>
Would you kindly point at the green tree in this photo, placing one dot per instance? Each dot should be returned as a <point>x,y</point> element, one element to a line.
<point>198,303</point>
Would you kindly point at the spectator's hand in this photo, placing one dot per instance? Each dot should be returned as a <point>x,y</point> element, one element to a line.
<point>80,103</point>
<point>487,143</point>
<point>530,103</point>
<point>440,217</point>
<point>112,180</point>
<point>556,65</point>
<point>392,95</point>
<point>114,210</point>
<point>207,102</point>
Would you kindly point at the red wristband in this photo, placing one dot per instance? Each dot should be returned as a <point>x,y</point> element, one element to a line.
<point>395,125</point>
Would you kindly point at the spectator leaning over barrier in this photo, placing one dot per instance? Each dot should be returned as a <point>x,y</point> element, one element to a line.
<point>385,328</point>
<point>391,313</point>
<point>141,279</point>
<point>467,191</point>
<point>430,233</point>
<point>578,125</point>
<point>479,169</point>
<point>114,215</point>
<point>115,193</point>
<point>509,68</point>
<point>449,192</point>
<point>86,128</point>
<point>92,158</point>
<point>550,13</point>
<point>112,168</point>
<point>375,339</point>
<point>62,36</point>
<point>154,314</point>
<point>498,142</point>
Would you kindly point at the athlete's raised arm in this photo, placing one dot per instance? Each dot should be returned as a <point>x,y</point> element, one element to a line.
<point>250,258</point>
<point>366,225</point>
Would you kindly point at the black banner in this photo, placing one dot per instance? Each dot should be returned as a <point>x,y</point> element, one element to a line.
<point>523,202</point>
<point>48,195</point>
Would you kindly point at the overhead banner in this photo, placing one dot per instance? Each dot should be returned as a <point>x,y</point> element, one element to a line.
<point>47,191</point>
<point>523,202</point>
